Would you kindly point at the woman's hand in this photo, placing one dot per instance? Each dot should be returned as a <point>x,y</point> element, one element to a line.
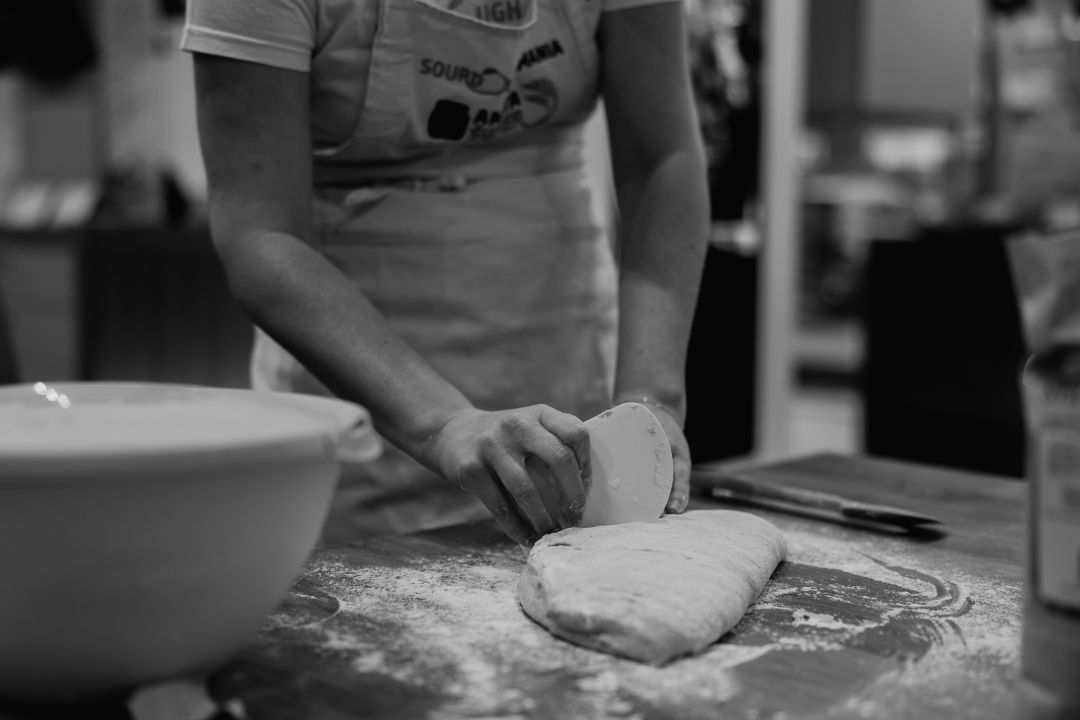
<point>529,466</point>
<point>680,454</point>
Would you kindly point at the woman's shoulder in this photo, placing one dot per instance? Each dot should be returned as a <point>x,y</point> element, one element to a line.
<point>281,33</point>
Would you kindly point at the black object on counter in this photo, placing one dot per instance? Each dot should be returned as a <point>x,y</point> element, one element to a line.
<point>943,351</point>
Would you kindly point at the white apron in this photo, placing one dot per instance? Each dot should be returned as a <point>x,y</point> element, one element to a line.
<point>465,218</point>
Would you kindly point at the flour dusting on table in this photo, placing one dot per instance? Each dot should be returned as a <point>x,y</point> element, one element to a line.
<point>457,631</point>
<point>445,633</point>
<point>904,600</point>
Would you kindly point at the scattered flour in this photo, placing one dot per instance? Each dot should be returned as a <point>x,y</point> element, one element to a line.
<point>819,620</point>
<point>452,626</point>
<point>449,626</point>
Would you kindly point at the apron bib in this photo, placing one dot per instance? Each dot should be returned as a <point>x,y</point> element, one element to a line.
<point>448,73</point>
<point>503,282</point>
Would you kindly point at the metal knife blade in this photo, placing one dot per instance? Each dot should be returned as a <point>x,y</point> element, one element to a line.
<point>745,489</point>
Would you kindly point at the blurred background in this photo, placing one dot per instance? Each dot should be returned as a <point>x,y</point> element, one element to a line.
<point>868,159</point>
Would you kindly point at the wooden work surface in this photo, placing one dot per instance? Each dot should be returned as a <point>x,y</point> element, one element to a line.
<point>855,624</point>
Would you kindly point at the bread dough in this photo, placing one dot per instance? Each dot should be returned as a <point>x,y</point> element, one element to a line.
<point>650,591</point>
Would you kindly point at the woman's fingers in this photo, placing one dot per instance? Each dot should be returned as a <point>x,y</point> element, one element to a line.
<point>548,487</point>
<point>572,432</point>
<point>680,487</point>
<point>680,456</point>
<point>537,462</point>
<point>510,472</point>
<point>550,446</point>
<point>498,502</point>
<point>563,472</point>
<point>525,465</point>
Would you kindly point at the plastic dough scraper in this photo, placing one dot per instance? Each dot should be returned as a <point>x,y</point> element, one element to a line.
<point>632,470</point>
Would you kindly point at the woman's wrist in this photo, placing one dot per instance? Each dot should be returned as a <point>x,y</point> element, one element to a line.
<point>418,435</point>
<point>675,411</point>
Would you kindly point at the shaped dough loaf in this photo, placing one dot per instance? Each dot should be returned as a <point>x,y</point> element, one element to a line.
<point>650,591</point>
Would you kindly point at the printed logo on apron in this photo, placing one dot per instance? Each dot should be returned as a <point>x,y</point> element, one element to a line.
<point>510,13</point>
<point>464,71</point>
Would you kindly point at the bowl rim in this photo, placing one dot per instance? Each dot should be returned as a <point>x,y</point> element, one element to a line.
<point>304,435</point>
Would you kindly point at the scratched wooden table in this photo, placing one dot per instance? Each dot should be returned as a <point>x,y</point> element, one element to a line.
<point>855,624</point>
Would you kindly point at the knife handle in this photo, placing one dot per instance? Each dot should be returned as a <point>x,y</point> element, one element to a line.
<point>720,480</point>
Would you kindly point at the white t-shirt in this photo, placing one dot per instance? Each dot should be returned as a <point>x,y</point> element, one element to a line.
<point>330,39</point>
<point>287,33</point>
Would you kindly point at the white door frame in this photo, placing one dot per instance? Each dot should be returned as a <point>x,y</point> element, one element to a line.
<point>783,118</point>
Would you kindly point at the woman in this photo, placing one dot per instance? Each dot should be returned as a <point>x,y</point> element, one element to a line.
<point>397,194</point>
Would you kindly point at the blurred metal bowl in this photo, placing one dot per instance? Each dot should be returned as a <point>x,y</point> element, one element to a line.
<point>146,530</point>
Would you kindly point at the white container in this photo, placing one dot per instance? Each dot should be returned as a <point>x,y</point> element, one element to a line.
<point>1046,271</point>
<point>147,530</point>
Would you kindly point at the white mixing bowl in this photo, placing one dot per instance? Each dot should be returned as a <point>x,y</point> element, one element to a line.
<point>146,530</point>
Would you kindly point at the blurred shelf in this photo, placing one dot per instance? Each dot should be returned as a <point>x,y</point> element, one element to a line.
<point>829,352</point>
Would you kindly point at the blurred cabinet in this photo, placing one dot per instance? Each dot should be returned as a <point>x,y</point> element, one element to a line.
<point>39,289</point>
<point>156,307</point>
<point>133,304</point>
<point>913,57</point>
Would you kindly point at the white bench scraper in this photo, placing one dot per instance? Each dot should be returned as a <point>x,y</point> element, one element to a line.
<point>632,470</point>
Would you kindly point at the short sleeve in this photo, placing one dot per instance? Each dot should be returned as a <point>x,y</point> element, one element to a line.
<point>613,5</point>
<point>280,33</point>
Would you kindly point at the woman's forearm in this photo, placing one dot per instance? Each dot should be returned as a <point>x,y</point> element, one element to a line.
<point>659,171</point>
<point>663,231</point>
<point>254,129</point>
<point>308,306</point>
